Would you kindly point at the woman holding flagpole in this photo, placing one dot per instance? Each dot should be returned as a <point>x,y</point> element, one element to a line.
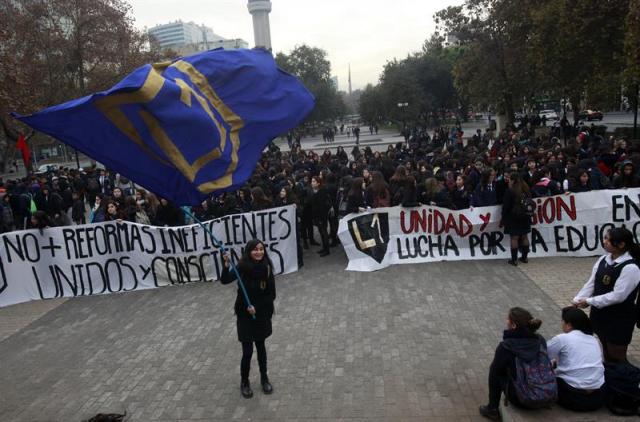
<point>253,319</point>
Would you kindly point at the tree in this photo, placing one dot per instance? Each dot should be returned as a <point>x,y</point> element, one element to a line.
<point>311,66</point>
<point>54,50</point>
<point>632,54</point>
<point>577,47</point>
<point>493,33</point>
<point>370,104</point>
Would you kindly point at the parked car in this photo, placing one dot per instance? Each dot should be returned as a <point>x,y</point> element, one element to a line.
<point>46,168</point>
<point>590,115</point>
<point>549,114</point>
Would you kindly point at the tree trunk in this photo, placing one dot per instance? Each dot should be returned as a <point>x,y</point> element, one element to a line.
<point>4,155</point>
<point>508,107</point>
<point>575,104</point>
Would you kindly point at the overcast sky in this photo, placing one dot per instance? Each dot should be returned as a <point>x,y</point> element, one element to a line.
<point>365,33</point>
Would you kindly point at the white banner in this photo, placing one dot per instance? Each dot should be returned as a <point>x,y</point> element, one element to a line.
<point>104,258</point>
<point>563,225</point>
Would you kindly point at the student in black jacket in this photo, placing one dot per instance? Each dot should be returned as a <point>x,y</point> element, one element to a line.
<point>519,340</point>
<point>256,271</point>
<point>320,206</point>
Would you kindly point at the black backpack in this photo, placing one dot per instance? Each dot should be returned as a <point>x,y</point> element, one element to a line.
<point>622,388</point>
<point>525,207</point>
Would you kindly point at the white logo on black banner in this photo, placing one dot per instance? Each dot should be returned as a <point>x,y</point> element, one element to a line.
<point>370,234</point>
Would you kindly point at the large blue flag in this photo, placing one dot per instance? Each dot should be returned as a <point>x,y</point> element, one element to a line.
<point>187,128</point>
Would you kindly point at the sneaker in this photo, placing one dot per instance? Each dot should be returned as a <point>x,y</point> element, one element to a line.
<point>245,389</point>
<point>489,413</point>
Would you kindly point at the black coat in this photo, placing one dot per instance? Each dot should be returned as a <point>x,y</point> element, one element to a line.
<point>515,220</point>
<point>260,285</point>
<point>320,205</point>
<point>515,343</point>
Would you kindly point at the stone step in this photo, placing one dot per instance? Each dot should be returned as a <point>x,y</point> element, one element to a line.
<point>512,413</point>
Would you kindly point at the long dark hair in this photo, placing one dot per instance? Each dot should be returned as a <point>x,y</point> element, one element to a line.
<point>619,235</point>
<point>578,319</point>
<point>246,262</point>
<point>523,320</point>
<point>356,187</point>
<point>519,187</point>
<point>378,185</point>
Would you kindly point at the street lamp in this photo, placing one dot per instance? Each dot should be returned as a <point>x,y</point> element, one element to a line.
<point>403,109</point>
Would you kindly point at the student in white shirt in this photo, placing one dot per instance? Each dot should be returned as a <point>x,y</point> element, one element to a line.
<point>577,355</point>
<point>611,292</point>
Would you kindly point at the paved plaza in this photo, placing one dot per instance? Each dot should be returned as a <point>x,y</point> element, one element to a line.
<point>408,343</point>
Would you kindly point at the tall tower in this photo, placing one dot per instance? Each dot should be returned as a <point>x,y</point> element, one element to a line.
<point>260,9</point>
<point>349,79</point>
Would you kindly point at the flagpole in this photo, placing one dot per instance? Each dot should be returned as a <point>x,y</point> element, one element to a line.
<point>220,246</point>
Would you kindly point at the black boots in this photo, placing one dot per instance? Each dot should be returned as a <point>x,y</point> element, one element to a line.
<point>245,389</point>
<point>514,257</point>
<point>247,392</point>
<point>524,251</point>
<point>489,413</point>
<point>266,385</point>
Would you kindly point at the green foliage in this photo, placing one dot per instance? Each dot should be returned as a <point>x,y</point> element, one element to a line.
<point>632,43</point>
<point>491,66</point>
<point>577,47</point>
<point>370,105</point>
<point>513,50</point>
<point>311,66</point>
<point>423,80</point>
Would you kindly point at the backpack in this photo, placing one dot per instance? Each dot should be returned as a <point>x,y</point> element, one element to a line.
<point>142,217</point>
<point>93,185</point>
<point>527,206</point>
<point>33,208</point>
<point>535,383</point>
<point>622,388</point>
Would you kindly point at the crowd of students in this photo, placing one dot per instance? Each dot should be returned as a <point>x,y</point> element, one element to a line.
<point>432,168</point>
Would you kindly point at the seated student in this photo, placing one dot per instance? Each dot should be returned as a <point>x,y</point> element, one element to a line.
<point>578,358</point>
<point>519,340</point>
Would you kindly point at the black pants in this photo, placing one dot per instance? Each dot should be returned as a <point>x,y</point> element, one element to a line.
<point>247,353</point>
<point>324,234</point>
<point>498,385</point>
<point>579,400</point>
<point>306,224</point>
<point>333,229</point>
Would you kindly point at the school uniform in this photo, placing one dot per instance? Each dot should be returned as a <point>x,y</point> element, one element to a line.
<point>514,217</point>
<point>611,291</point>
<point>259,283</point>
<point>579,370</point>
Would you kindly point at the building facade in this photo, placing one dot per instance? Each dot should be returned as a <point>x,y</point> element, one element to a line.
<point>188,38</point>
